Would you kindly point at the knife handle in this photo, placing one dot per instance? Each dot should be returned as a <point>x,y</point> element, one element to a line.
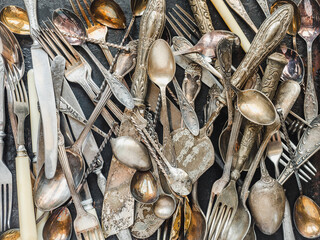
<point>202,15</point>
<point>101,180</point>
<point>31,7</point>
<point>151,27</point>
<point>27,221</point>
<point>270,33</point>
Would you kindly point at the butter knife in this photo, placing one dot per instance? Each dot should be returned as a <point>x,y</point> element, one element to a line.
<point>44,87</point>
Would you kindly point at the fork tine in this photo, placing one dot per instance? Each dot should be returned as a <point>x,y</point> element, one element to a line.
<point>181,26</point>
<point>74,8</point>
<point>78,235</point>
<point>312,167</point>
<point>63,39</point>
<point>224,222</point>
<point>5,209</point>
<point>186,14</point>
<point>43,43</point>
<point>9,204</point>
<point>185,21</point>
<point>24,91</point>
<point>174,27</point>
<point>20,92</point>
<point>217,220</point>
<point>16,93</point>
<point>85,235</point>
<point>89,11</point>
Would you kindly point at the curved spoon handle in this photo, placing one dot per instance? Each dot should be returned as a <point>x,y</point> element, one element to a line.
<point>271,32</point>
<point>202,15</point>
<point>310,97</point>
<point>189,116</point>
<point>151,27</point>
<point>238,7</point>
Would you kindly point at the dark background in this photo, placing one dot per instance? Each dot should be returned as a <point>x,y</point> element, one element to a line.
<point>45,9</point>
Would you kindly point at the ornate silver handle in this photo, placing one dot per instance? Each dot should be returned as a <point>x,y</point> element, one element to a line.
<point>202,15</point>
<point>31,6</point>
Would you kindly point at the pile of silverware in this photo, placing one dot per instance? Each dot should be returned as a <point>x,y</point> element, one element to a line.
<point>159,149</point>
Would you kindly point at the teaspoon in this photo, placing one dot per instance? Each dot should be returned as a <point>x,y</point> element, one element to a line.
<point>309,30</point>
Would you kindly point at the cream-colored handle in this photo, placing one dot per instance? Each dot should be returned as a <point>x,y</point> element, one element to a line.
<point>41,223</point>
<point>27,221</point>
<point>34,112</point>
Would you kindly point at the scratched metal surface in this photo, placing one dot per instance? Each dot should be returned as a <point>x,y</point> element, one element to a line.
<point>45,8</point>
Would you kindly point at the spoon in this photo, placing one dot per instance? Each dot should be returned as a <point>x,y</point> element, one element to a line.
<point>294,70</point>
<point>296,21</point>
<point>52,193</point>
<point>144,187</point>
<point>58,225</point>
<point>12,234</point>
<point>131,153</point>
<point>208,42</point>
<point>161,70</point>
<point>108,13</point>
<point>309,30</point>
<point>255,106</point>
<point>267,202</point>
<point>16,19</point>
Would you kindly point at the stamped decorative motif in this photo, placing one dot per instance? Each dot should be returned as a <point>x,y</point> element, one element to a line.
<point>202,16</point>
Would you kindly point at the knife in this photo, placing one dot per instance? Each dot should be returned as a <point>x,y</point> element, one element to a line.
<point>44,87</point>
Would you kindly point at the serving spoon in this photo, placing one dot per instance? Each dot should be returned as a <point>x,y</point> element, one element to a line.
<point>16,19</point>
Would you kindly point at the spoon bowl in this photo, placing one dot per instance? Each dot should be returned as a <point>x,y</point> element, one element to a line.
<point>58,225</point>
<point>256,107</point>
<point>52,193</point>
<point>108,13</point>
<point>16,19</point>
<point>294,70</point>
<point>138,7</point>
<point>164,207</point>
<point>161,64</point>
<point>144,187</point>
<point>307,217</point>
<point>12,234</point>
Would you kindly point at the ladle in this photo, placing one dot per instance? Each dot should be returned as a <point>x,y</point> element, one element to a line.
<point>108,13</point>
<point>309,30</point>
<point>16,19</point>
<point>294,70</point>
<point>58,225</point>
<point>296,21</point>
<point>208,42</point>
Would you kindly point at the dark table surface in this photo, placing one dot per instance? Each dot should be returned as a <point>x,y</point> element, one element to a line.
<point>45,9</point>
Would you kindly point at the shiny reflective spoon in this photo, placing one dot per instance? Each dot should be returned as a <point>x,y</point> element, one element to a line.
<point>58,225</point>
<point>16,19</point>
<point>108,13</point>
<point>309,30</point>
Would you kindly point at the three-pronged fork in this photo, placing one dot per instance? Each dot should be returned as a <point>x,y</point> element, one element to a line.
<point>95,30</point>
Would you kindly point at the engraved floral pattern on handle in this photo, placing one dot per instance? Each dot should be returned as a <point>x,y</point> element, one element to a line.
<point>202,16</point>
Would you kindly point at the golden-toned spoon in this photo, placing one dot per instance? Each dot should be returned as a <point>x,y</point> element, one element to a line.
<point>16,19</point>
<point>58,225</point>
<point>296,21</point>
<point>108,13</point>
<point>12,234</point>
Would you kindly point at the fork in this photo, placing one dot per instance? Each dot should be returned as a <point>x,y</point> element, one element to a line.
<point>27,220</point>
<point>85,225</point>
<point>274,151</point>
<point>95,30</point>
<point>77,68</point>
<point>5,174</point>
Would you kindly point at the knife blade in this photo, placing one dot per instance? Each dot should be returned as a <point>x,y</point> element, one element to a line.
<point>44,87</point>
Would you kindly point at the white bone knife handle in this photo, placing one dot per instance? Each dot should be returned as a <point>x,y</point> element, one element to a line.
<point>27,221</point>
